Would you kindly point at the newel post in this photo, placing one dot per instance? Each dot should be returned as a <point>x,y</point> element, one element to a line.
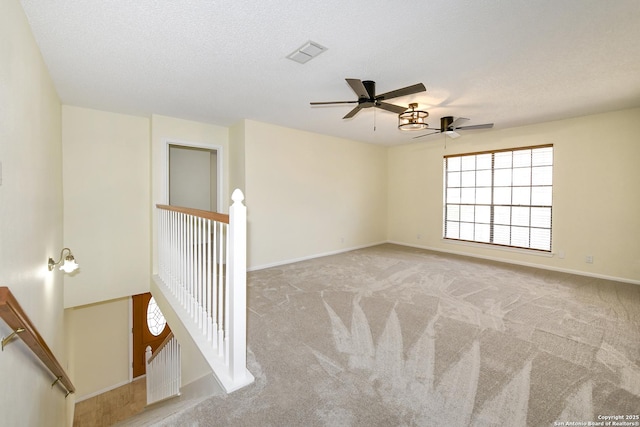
<point>237,287</point>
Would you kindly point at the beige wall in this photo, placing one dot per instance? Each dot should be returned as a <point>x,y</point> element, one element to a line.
<point>596,201</point>
<point>98,337</point>
<point>106,204</point>
<point>309,194</point>
<point>30,221</point>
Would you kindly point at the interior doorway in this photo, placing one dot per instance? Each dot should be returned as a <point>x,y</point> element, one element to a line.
<point>193,177</point>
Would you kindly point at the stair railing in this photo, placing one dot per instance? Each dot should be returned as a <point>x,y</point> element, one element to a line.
<point>163,370</point>
<point>202,271</point>
<point>14,316</point>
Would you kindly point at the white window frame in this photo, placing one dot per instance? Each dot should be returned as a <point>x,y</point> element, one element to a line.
<point>500,197</point>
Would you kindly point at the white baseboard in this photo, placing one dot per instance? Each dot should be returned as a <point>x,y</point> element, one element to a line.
<point>453,252</point>
<point>526,264</point>
<point>308,257</point>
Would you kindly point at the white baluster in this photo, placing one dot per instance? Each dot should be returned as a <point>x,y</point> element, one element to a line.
<point>208,285</point>
<point>177,373</point>
<point>200,274</point>
<point>174,254</point>
<point>185,264</point>
<point>192,266</point>
<point>164,244</point>
<point>161,244</point>
<point>214,287</point>
<point>188,248</point>
<point>220,286</point>
<point>177,255</point>
<point>180,257</point>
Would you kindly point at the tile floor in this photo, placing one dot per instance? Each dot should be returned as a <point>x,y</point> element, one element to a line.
<point>113,406</point>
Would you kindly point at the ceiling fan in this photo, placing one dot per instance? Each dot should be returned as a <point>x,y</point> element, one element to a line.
<point>449,126</point>
<point>367,98</point>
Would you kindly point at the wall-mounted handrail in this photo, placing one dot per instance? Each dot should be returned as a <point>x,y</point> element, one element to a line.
<point>19,322</point>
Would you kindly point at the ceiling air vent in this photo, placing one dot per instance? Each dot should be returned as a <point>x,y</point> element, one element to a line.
<point>306,52</point>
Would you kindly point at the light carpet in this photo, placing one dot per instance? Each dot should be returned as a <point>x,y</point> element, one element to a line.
<point>398,336</point>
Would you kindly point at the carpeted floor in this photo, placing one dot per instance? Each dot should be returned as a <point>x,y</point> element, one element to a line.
<point>396,336</point>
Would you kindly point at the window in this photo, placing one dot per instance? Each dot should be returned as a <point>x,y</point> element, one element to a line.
<point>155,319</point>
<point>500,197</point>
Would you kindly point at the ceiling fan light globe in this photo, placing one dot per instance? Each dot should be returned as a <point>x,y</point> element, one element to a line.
<point>452,134</point>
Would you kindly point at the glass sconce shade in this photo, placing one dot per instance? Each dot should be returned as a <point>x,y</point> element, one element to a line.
<point>413,119</point>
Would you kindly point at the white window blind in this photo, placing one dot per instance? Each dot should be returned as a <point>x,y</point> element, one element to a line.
<point>500,197</point>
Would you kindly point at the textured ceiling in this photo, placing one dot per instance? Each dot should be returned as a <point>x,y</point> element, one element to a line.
<point>508,62</point>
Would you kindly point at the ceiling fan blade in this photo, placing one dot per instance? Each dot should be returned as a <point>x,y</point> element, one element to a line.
<point>398,109</point>
<point>427,134</point>
<point>353,112</point>
<point>458,121</point>
<point>358,88</point>
<point>484,126</point>
<point>333,102</point>
<point>409,90</point>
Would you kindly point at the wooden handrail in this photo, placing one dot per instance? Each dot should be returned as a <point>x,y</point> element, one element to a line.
<point>216,216</point>
<point>160,347</point>
<point>17,319</point>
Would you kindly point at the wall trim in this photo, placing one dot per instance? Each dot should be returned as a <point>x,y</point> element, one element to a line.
<point>453,252</point>
<point>526,264</point>
<point>309,257</point>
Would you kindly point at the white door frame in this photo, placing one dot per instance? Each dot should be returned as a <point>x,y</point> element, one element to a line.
<point>203,145</point>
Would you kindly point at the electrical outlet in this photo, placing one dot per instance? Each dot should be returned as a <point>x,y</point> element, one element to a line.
<point>589,259</point>
<point>561,254</point>
<point>418,236</point>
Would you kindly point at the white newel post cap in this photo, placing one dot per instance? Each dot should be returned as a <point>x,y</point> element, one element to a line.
<point>237,196</point>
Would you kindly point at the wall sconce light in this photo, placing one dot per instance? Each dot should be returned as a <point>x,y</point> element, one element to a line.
<point>413,119</point>
<point>69,262</point>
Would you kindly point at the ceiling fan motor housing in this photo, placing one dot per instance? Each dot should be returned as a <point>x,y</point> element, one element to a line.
<point>365,102</point>
<point>370,86</point>
<point>445,122</point>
